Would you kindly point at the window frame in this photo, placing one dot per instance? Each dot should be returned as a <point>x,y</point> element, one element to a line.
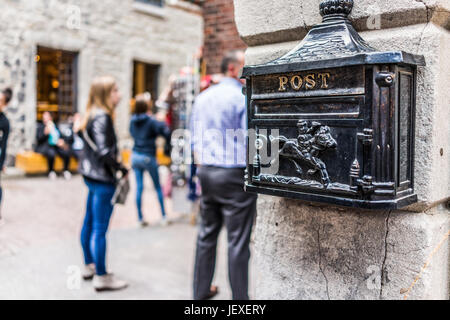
<point>157,3</point>
<point>153,9</point>
<point>58,108</point>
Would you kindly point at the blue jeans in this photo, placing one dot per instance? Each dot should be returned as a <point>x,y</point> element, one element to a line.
<point>96,221</point>
<point>1,196</point>
<point>141,163</point>
<point>1,191</point>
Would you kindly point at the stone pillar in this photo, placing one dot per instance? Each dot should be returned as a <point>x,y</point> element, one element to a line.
<point>314,251</point>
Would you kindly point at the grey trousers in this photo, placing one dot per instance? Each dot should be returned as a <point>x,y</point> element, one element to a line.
<point>224,201</point>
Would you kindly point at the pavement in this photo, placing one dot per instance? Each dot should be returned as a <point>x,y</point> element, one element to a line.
<point>41,258</point>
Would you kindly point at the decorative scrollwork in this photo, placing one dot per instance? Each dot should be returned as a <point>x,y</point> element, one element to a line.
<point>336,7</point>
<point>333,39</point>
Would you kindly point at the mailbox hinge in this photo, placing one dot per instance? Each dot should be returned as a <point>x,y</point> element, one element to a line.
<point>366,137</point>
<point>244,90</point>
<point>365,185</point>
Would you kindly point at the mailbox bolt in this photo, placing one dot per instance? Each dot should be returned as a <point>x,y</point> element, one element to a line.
<point>389,79</point>
<point>442,152</point>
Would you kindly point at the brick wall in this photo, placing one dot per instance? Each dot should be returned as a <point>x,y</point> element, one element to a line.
<point>221,34</point>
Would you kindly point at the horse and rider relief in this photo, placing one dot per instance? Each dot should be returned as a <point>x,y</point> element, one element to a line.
<point>305,153</point>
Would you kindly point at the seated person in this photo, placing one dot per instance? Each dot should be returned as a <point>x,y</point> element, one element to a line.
<point>50,144</point>
<point>72,140</point>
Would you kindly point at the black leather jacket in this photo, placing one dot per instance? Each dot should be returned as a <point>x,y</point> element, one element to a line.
<point>101,164</point>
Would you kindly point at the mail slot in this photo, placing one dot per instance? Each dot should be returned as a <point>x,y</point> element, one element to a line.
<point>333,120</point>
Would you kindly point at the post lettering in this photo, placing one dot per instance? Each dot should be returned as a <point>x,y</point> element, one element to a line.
<point>324,78</point>
<point>283,82</point>
<point>296,82</point>
<point>310,81</point>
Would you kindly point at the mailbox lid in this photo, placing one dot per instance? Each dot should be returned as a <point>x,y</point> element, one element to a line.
<point>333,43</point>
<point>390,57</point>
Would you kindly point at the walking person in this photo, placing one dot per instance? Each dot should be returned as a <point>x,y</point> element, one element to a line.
<point>222,161</point>
<point>5,98</point>
<point>145,129</point>
<point>99,167</point>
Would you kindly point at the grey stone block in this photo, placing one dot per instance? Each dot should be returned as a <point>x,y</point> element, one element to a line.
<point>310,251</point>
<point>289,20</point>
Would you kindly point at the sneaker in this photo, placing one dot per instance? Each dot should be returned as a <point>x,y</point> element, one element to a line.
<point>52,175</point>
<point>108,282</point>
<point>143,223</point>
<point>164,222</point>
<point>67,175</point>
<point>88,272</point>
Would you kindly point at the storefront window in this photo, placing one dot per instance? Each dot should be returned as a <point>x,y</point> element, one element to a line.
<point>56,83</point>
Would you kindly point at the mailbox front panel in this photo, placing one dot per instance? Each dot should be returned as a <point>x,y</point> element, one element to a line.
<point>333,144</point>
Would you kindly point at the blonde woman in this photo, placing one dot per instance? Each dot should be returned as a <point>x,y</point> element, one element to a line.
<point>99,167</point>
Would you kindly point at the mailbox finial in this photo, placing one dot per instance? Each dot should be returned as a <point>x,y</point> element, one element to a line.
<point>336,8</point>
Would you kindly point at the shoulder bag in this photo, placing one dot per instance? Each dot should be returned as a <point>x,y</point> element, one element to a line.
<point>122,185</point>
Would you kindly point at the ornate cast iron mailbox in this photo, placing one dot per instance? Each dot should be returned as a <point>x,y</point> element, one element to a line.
<point>336,118</point>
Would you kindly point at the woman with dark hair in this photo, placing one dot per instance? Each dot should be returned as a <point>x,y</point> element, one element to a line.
<point>145,129</point>
<point>5,98</point>
<point>99,165</point>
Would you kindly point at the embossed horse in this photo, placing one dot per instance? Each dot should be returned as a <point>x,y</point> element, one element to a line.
<point>307,149</point>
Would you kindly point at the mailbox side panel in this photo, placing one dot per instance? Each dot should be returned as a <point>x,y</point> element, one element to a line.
<point>405,114</point>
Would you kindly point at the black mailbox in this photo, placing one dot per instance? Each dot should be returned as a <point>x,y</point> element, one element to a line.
<point>336,119</point>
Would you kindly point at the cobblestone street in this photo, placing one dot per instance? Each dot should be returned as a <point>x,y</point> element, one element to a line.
<point>40,253</point>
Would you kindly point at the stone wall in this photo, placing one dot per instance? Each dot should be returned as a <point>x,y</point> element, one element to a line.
<point>108,35</point>
<point>310,251</point>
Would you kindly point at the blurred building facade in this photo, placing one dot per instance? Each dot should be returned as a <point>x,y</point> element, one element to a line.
<point>51,50</point>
